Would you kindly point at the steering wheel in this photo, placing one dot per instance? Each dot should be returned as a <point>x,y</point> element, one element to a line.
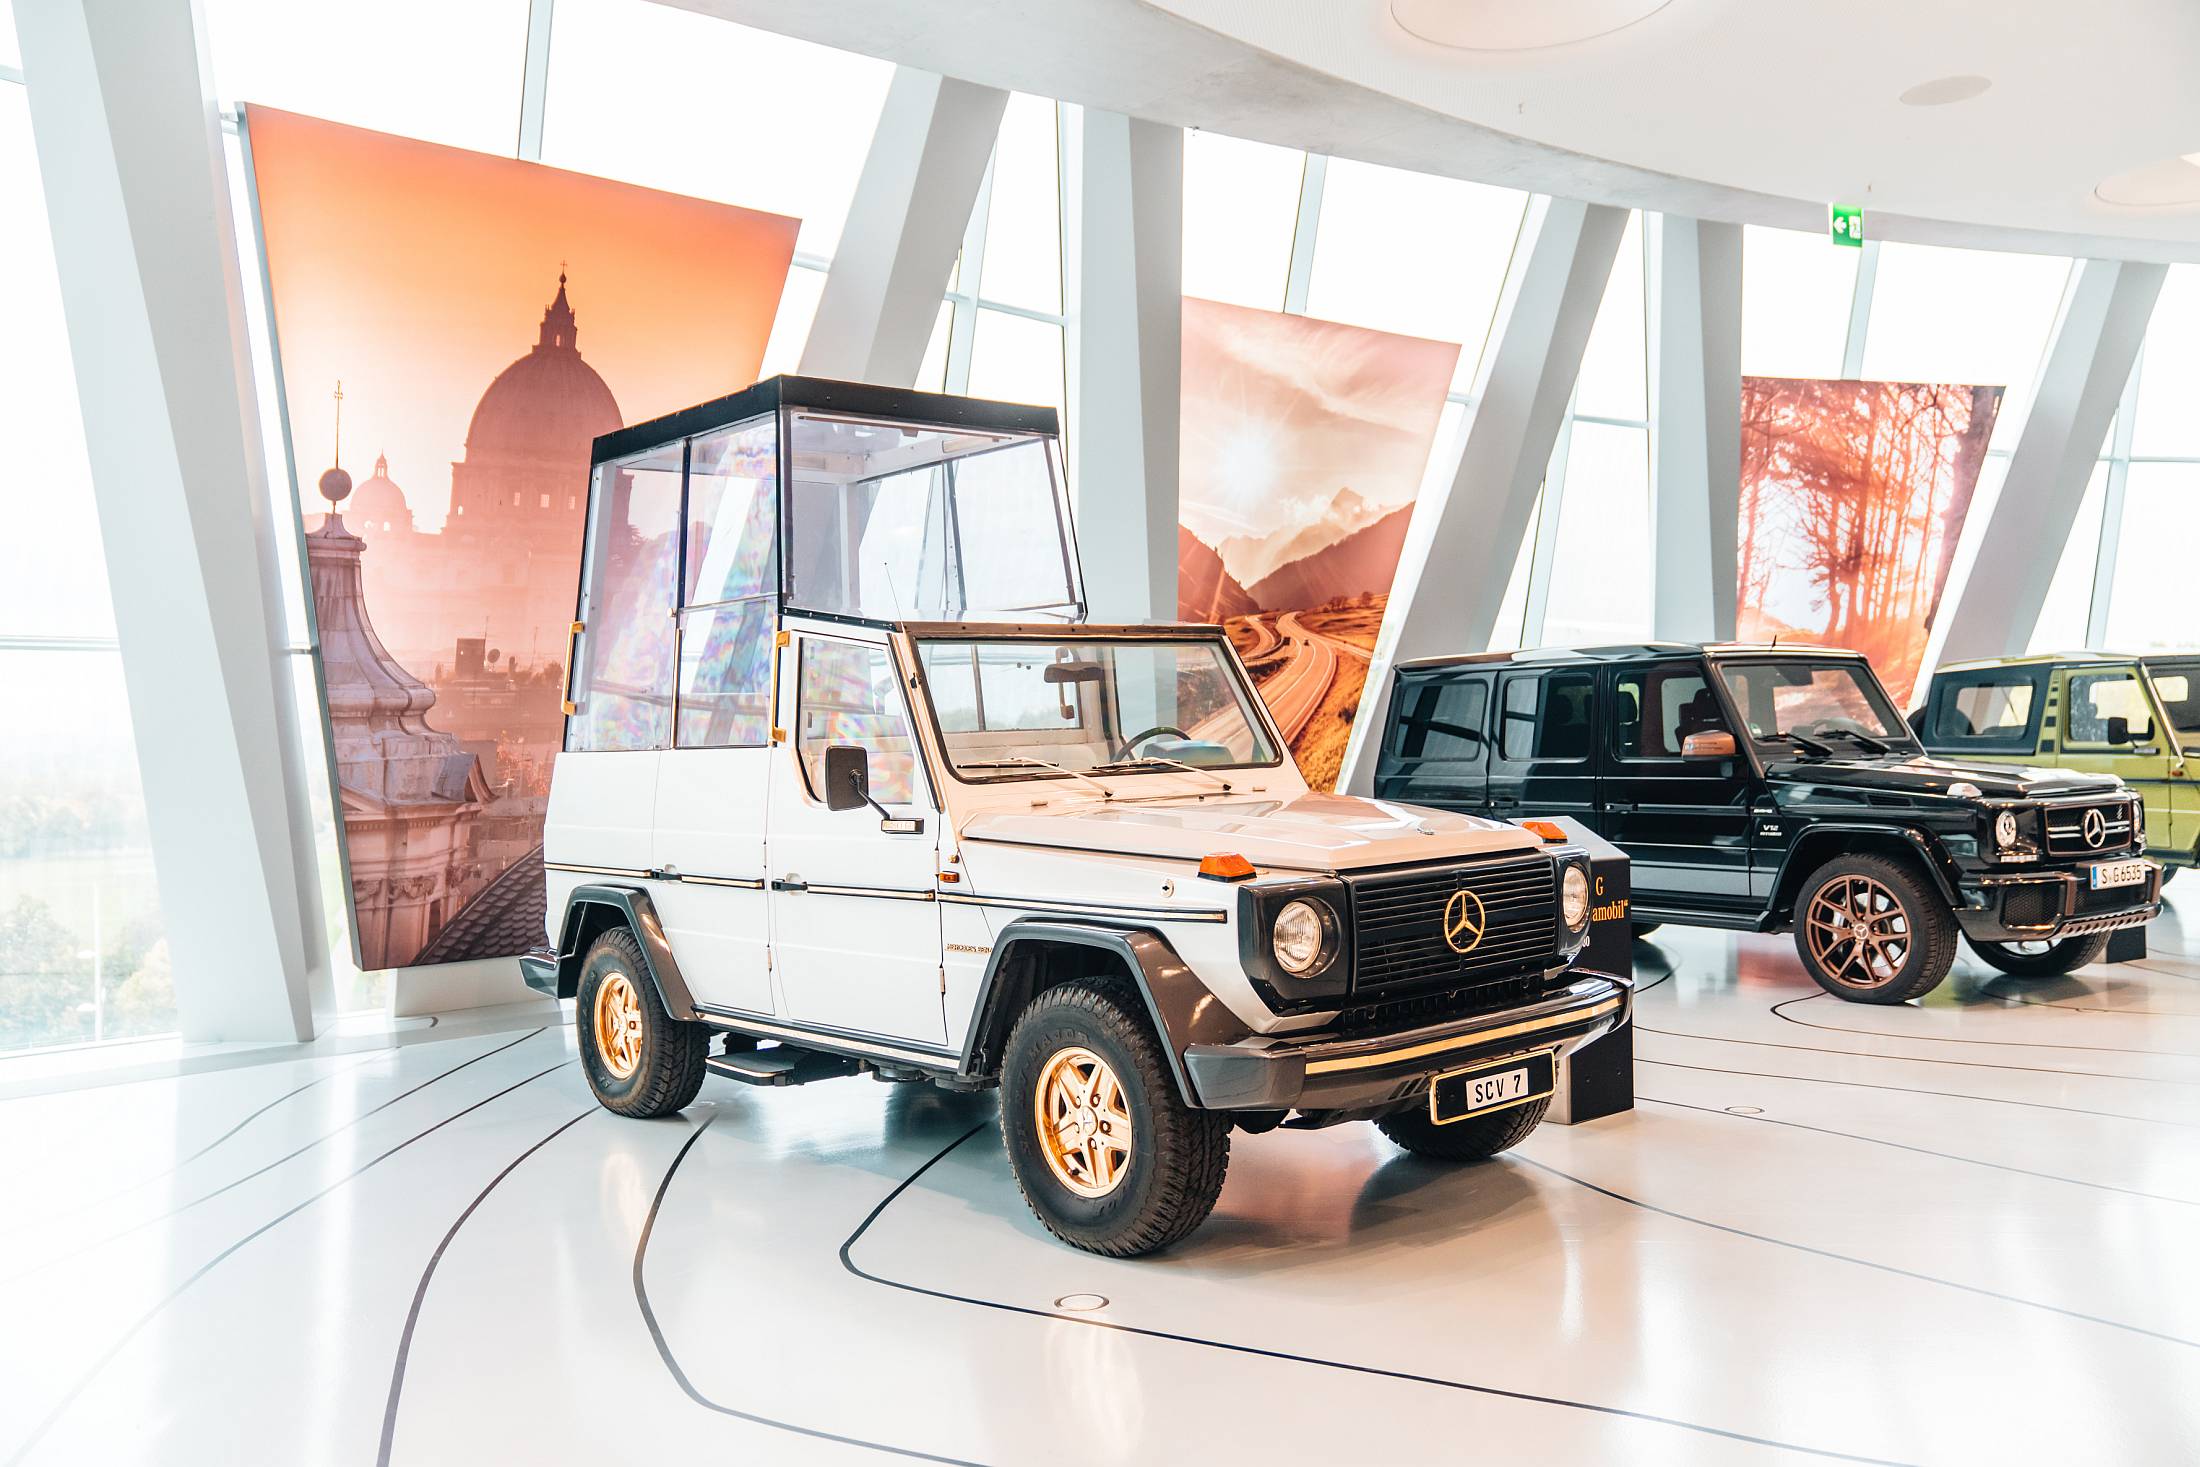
<point>1819,726</point>
<point>1130,745</point>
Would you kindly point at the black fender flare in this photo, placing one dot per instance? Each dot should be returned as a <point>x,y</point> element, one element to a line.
<point>1805,856</point>
<point>1183,1010</point>
<point>590,910</point>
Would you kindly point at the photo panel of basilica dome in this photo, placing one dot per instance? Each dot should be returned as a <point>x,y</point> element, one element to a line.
<point>454,331</point>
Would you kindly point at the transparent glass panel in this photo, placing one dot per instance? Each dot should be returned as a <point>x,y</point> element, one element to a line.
<point>733,527</point>
<point>2065,614</point>
<point>1241,211</point>
<point>2165,421</point>
<point>1600,575</point>
<point>622,663</point>
<point>1439,278</point>
<point>893,522</point>
<point>419,68</point>
<point>82,954</point>
<point>657,95</point>
<point>1023,231</point>
<point>1016,359</point>
<point>53,575</point>
<point>2095,698</point>
<point>1614,381</point>
<point>932,372</point>
<point>850,695</point>
<point>1977,317</point>
<point>11,54</point>
<point>791,327</point>
<point>1654,712</point>
<point>726,674</point>
<point>2150,607</point>
<point>1796,292</point>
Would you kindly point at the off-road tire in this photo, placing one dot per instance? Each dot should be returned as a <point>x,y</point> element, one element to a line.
<point>2063,957</point>
<point>1477,1138</point>
<point>1931,926</point>
<point>1178,1156</point>
<point>670,1071</point>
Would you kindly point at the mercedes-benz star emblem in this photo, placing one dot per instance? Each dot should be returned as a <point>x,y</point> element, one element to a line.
<point>1464,919</point>
<point>2096,827</point>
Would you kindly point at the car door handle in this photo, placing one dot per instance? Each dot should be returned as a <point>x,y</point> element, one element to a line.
<point>789,883</point>
<point>1620,807</point>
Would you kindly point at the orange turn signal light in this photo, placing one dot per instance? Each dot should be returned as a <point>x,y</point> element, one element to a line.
<point>1226,866</point>
<point>1549,830</point>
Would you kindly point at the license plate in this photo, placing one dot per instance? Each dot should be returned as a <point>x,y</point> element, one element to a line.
<point>1515,1081</point>
<point>2104,874</point>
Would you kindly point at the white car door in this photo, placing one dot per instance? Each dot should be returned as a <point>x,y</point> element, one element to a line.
<point>854,912</point>
<point>709,853</point>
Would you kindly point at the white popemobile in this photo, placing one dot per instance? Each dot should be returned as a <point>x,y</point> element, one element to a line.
<point>808,804</point>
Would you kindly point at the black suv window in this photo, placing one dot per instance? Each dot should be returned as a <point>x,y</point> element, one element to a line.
<point>1547,716</point>
<point>1441,718</point>
<point>2096,697</point>
<point>1656,709</point>
<point>1997,710</point>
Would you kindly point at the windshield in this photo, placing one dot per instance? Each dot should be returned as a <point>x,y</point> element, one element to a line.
<point>1816,701</point>
<point>1032,708</point>
<point>2178,684</point>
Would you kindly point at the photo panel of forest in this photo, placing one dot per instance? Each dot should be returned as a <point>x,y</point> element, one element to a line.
<point>487,319</point>
<point>1853,500</point>
<point>1304,445</point>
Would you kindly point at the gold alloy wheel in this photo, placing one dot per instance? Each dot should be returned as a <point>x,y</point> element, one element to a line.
<point>1858,930</point>
<point>1084,1122</point>
<point>618,1021</point>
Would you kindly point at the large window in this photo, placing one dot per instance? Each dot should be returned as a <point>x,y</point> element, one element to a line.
<point>621,684</point>
<point>82,957</point>
<point>1797,293</point>
<point>1241,210</point>
<point>729,607</point>
<point>1972,316</point>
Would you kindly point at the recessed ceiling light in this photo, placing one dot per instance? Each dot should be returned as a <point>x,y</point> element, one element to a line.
<point>1517,25</point>
<point>2173,183</point>
<point>1940,91</point>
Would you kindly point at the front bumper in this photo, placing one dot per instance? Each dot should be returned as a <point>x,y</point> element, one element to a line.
<point>1325,1072</point>
<point>2047,906</point>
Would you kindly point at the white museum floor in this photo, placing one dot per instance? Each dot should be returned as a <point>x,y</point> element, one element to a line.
<point>1957,1232</point>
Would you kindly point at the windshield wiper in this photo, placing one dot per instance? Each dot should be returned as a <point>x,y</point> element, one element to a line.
<point>1172,763</point>
<point>1012,761</point>
<point>1876,746</point>
<point>1809,746</point>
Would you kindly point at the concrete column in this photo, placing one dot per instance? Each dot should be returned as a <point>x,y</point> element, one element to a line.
<point>1460,549</point>
<point>1130,312</point>
<point>1695,334</point>
<point>130,148</point>
<point>2089,359</point>
<point>915,194</point>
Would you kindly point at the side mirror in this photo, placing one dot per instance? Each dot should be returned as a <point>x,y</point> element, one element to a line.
<point>1718,744</point>
<point>2119,729</point>
<point>847,777</point>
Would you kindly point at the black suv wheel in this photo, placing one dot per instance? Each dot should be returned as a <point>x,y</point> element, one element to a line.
<point>1106,1155</point>
<point>639,1060</point>
<point>1477,1138</point>
<point>2043,959</point>
<point>1871,930</point>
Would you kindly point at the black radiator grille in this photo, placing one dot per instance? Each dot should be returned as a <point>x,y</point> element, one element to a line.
<point>1398,924</point>
<point>2067,826</point>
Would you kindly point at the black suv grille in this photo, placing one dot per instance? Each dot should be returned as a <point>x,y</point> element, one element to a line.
<point>1416,1010</point>
<point>2068,826</point>
<point>1398,924</point>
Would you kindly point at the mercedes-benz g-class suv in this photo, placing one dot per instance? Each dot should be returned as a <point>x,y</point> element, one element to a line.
<point>1770,788</point>
<point>816,815</point>
<point>2137,718</point>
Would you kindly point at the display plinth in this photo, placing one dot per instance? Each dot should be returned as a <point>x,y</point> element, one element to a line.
<point>1598,1079</point>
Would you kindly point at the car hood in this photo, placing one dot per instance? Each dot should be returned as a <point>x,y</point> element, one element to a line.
<point>1310,832</point>
<point>1921,775</point>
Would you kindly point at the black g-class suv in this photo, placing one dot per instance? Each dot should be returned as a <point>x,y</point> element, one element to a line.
<point>1774,788</point>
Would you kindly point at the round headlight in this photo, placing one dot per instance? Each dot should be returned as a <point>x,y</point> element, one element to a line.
<point>2005,828</point>
<point>1573,896</point>
<point>1297,937</point>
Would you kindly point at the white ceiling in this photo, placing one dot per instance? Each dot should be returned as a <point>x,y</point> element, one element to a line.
<point>1756,110</point>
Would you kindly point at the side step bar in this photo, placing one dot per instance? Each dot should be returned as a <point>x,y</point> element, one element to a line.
<point>782,1064</point>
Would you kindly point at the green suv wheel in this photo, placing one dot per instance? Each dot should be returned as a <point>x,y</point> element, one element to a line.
<point>1871,930</point>
<point>2043,959</point>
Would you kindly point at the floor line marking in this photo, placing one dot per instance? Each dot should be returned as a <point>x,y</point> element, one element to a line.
<point>1988,1043</point>
<point>2076,1110</point>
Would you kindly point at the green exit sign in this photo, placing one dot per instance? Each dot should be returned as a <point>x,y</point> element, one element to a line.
<point>1845,222</point>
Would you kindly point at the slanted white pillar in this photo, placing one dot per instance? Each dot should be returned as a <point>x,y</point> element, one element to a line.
<point>1130,311</point>
<point>1695,336</point>
<point>2089,358</point>
<point>130,148</point>
<point>912,201</point>
<point>1464,539</point>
